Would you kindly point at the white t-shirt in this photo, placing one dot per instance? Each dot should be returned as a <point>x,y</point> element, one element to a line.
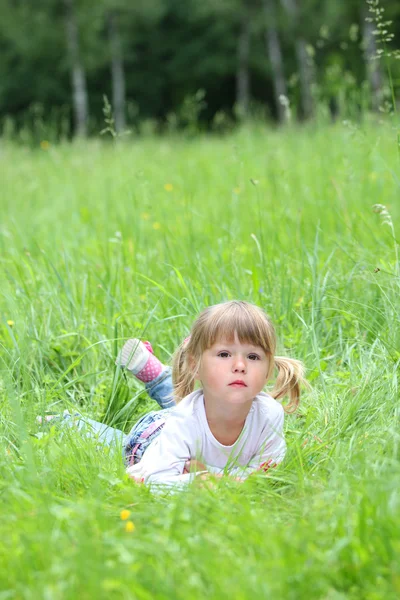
<point>186,435</point>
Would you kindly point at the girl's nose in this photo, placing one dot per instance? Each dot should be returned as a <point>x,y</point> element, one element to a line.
<point>239,365</point>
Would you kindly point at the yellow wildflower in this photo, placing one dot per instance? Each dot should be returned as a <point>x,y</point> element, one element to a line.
<point>145,216</point>
<point>129,527</point>
<point>236,190</point>
<point>10,323</point>
<point>45,145</point>
<point>168,187</point>
<point>125,514</point>
<point>156,226</point>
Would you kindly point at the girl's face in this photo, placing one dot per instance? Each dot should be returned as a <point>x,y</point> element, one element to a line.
<point>233,372</point>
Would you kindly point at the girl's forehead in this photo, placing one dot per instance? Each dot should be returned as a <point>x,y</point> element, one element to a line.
<point>234,341</point>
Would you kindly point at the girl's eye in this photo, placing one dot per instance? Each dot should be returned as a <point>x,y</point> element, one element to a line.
<point>223,354</point>
<point>254,357</point>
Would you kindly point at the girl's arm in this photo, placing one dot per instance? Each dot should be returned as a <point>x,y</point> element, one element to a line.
<point>164,460</point>
<point>194,465</point>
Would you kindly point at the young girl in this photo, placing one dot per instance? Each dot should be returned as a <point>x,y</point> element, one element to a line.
<point>229,425</point>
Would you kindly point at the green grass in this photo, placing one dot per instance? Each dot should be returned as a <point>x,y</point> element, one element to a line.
<point>94,249</point>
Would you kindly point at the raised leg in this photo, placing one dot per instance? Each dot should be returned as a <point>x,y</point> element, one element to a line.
<point>137,358</point>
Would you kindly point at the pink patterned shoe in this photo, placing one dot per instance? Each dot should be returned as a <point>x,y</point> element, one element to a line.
<point>138,359</point>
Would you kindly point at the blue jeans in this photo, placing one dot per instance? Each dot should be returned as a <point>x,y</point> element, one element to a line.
<point>161,389</point>
<point>142,433</point>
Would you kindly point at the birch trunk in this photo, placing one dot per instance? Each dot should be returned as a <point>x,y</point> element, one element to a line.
<point>117,72</point>
<point>373,67</point>
<point>275,56</point>
<point>306,75</point>
<point>78,76</point>
<point>242,73</point>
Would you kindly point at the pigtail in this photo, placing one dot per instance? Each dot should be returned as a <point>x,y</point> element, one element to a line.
<point>290,378</point>
<point>183,377</point>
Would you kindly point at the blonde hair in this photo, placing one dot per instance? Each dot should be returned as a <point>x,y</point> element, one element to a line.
<point>251,325</point>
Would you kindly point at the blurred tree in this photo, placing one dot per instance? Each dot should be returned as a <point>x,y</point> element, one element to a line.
<point>195,48</point>
<point>117,69</point>
<point>237,19</point>
<point>30,53</point>
<point>123,23</point>
<point>294,10</point>
<point>373,66</point>
<point>78,74</point>
<point>275,56</point>
<point>243,56</point>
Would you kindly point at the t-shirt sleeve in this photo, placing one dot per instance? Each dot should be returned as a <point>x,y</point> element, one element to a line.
<point>164,460</point>
<point>272,447</point>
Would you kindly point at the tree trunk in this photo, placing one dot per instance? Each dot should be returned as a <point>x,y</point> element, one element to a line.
<point>275,56</point>
<point>242,73</point>
<point>373,67</point>
<point>306,74</point>
<point>117,72</point>
<point>306,77</point>
<point>78,76</point>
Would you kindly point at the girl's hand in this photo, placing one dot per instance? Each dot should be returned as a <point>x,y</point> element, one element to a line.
<point>212,478</point>
<point>192,465</point>
<point>208,480</point>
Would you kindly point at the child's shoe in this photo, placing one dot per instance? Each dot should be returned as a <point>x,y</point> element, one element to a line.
<point>138,359</point>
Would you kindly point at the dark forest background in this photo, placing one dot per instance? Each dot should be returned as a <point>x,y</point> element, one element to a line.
<point>173,64</point>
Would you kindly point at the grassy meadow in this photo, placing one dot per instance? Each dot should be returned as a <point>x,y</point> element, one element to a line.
<point>100,242</point>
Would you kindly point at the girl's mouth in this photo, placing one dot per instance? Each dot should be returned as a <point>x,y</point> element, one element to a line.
<point>238,383</point>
